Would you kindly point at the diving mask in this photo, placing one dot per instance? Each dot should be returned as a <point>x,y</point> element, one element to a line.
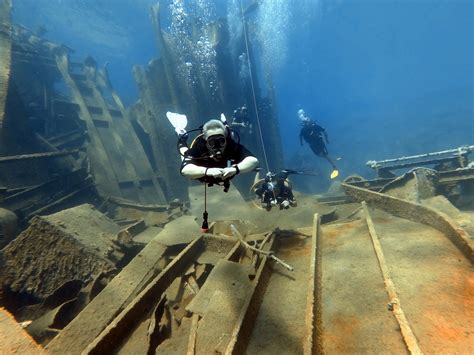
<point>216,145</point>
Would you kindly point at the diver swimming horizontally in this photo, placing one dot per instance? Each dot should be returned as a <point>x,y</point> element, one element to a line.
<point>214,157</point>
<point>317,138</point>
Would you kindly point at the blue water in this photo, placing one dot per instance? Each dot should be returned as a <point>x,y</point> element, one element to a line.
<point>385,78</point>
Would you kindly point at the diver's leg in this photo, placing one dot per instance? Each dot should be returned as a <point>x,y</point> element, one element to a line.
<point>330,161</point>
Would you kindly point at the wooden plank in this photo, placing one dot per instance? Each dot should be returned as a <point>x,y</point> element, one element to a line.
<point>192,335</point>
<point>98,314</point>
<point>151,116</point>
<point>15,158</point>
<point>229,276</point>
<point>56,204</point>
<point>129,160</point>
<point>104,176</point>
<point>116,331</point>
<point>36,196</point>
<point>407,333</point>
<point>244,325</point>
<point>313,340</point>
<point>416,213</point>
<point>131,204</point>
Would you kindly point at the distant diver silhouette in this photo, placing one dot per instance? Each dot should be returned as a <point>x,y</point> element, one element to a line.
<point>317,138</point>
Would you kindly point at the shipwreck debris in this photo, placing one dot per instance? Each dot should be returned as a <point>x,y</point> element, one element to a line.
<point>76,243</point>
<point>455,158</point>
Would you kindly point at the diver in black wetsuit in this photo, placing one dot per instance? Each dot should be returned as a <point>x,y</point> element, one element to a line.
<point>214,157</point>
<point>317,138</point>
<point>241,120</point>
<point>276,190</point>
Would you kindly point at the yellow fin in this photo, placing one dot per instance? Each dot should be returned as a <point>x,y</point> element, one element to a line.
<point>334,174</point>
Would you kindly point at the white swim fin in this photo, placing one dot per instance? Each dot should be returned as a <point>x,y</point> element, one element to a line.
<point>223,119</point>
<point>178,121</point>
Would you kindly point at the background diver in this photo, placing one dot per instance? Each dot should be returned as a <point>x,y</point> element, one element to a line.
<point>241,120</point>
<point>317,138</point>
<point>276,190</point>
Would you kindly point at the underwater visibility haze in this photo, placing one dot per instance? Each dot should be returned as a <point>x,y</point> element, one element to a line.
<point>384,78</point>
<point>236,176</point>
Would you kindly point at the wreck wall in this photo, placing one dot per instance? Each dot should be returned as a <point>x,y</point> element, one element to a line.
<point>5,53</point>
<point>163,88</point>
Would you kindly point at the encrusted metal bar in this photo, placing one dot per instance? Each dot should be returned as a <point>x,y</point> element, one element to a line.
<point>456,153</point>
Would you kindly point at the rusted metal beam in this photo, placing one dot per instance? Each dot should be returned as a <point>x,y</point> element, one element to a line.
<point>416,213</point>
<point>313,343</point>
<point>444,177</point>
<point>421,159</point>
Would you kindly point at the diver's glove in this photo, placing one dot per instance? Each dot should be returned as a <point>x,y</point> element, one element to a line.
<point>214,172</point>
<point>230,171</point>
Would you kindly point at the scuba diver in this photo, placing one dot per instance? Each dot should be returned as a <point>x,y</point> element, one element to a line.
<point>214,157</point>
<point>241,120</point>
<point>276,190</point>
<point>317,138</point>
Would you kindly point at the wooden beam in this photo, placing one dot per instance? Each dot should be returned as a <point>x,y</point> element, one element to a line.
<point>407,333</point>
<point>115,332</point>
<point>244,325</point>
<point>34,156</point>
<point>313,341</point>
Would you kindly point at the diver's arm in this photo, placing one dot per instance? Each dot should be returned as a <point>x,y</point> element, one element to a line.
<point>182,152</point>
<point>194,171</point>
<point>248,164</point>
<point>183,145</point>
